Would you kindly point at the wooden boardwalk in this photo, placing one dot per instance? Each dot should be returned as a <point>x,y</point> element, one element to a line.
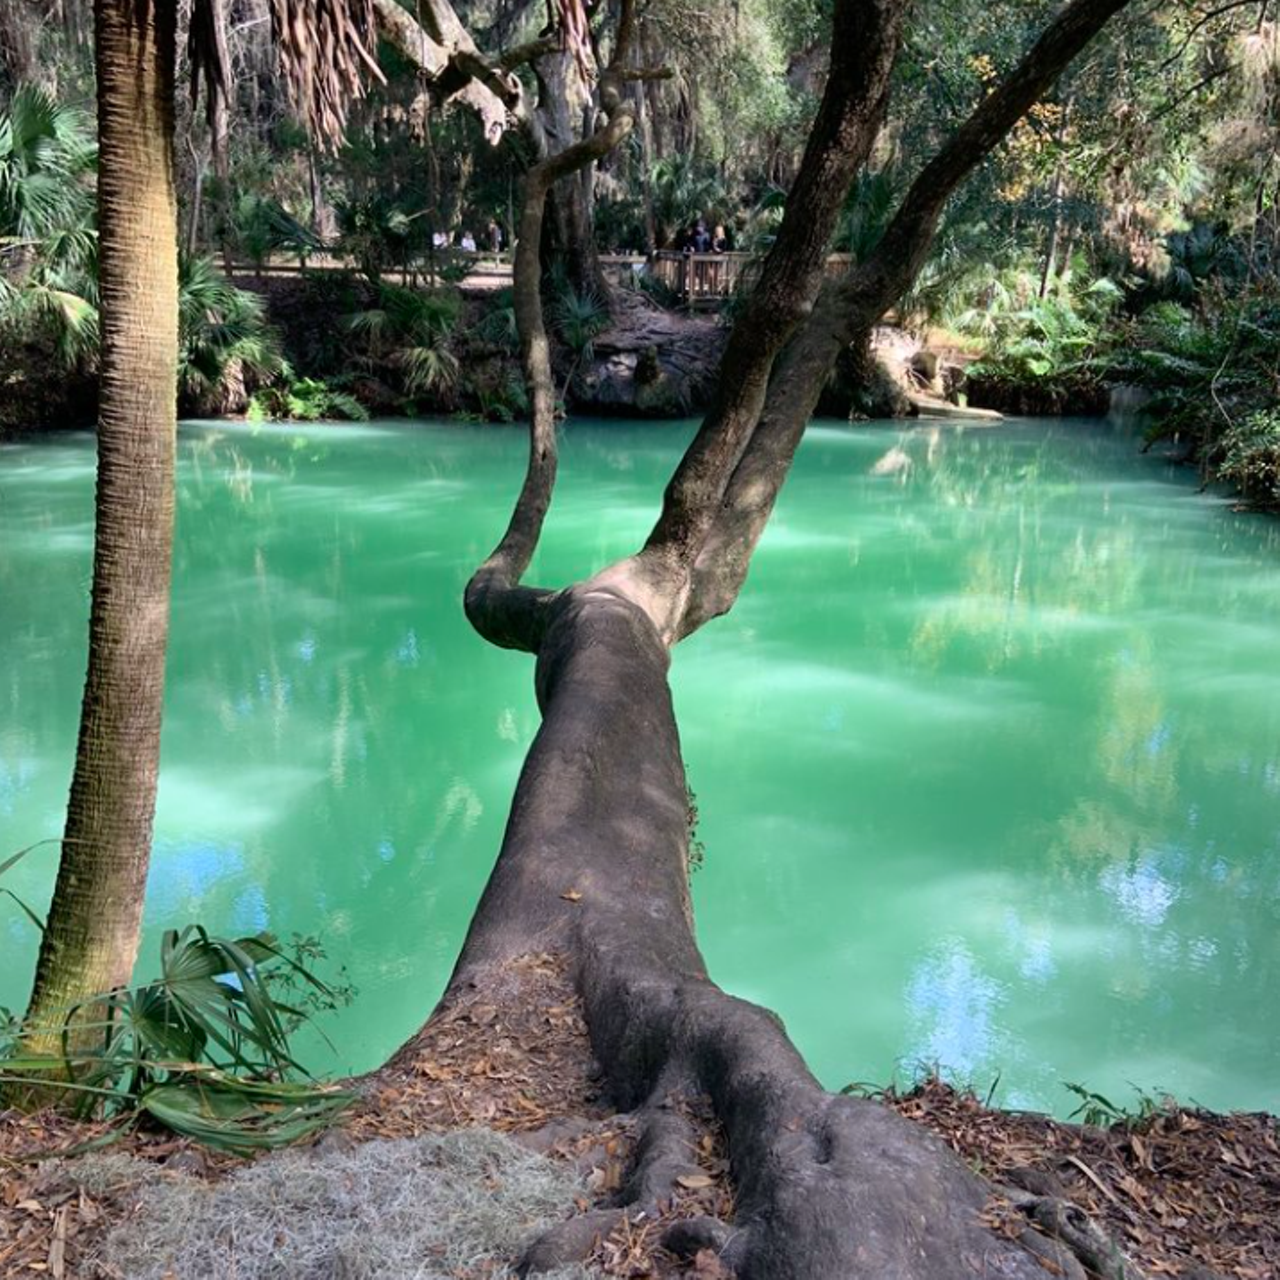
<point>697,280</point>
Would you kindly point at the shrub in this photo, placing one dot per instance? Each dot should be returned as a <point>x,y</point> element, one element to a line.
<point>203,1050</point>
<point>1251,457</point>
<point>304,400</point>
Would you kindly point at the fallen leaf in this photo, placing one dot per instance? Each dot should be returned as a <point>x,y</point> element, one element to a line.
<point>695,1181</point>
<point>571,895</point>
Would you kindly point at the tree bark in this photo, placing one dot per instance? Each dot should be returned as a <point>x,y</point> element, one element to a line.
<point>91,937</point>
<point>563,100</point>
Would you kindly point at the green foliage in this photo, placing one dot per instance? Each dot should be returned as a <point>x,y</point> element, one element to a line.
<point>683,190</point>
<point>223,333</point>
<point>578,319</point>
<point>203,1050</point>
<point>48,245</point>
<point>697,855</point>
<point>1032,339</point>
<point>377,234</point>
<point>503,400</point>
<point>1251,456</point>
<point>1101,1112</point>
<point>261,226</point>
<point>46,155</point>
<point>498,325</point>
<point>304,400</point>
<point>409,332</point>
<point>871,202</point>
<point>1212,371</point>
<point>1204,253</point>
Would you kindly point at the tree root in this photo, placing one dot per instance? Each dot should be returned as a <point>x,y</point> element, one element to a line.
<point>1062,1222</point>
<point>663,1155</point>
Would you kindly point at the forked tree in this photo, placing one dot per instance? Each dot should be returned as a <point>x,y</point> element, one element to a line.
<point>593,867</point>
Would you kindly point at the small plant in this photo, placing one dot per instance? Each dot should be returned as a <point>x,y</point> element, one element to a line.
<point>578,319</point>
<point>304,400</point>
<point>1100,1112</point>
<point>504,402</point>
<point>1251,456</point>
<point>203,1050</point>
<point>498,324</point>
<point>261,226</point>
<point>697,856</point>
<point>294,988</point>
<point>409,332</point>
<point>224,337</point>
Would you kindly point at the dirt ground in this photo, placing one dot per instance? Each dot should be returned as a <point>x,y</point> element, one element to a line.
<point>1183,1193</point>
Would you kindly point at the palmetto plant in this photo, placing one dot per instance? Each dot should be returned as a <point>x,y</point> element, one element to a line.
<point>682,190</point>
<point>1032,338</point>
<point>871,202</point>
<point>48,245</point>
<point>47,155</point>
<point>376,234</point>
<point>223,332</point>
<point>261,226</point>
<point>203,1050</point>
<point>1206,251</point>
<point>304,400</point>
<point>579,318</point>
<point>409,331</point>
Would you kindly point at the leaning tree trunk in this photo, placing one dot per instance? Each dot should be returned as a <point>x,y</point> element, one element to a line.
<point>91,938</point>
<point>594,862</point>
<point>594,868</point>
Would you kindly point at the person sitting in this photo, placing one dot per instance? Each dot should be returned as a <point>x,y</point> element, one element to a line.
<point>468,242</point>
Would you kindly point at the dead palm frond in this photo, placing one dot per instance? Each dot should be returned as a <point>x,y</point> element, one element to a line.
<point>327,51</point>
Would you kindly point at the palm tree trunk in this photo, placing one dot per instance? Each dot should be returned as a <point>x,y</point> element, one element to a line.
<point>91,938</point>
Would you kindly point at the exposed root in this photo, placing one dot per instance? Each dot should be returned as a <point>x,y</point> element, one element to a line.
<point>1066,1222</point>
<point>676,1174</point>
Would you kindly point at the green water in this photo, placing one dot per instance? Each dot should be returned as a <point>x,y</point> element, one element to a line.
<point>988,756</point>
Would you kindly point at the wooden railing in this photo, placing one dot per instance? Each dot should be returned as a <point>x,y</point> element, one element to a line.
<point>697,280</point>
<point>706,279</point>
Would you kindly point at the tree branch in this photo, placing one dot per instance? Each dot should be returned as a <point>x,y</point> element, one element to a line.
<point>499,609</point>
<point>847,311</point>
<point>865,39</point>
<point>446,56</point>
<point>521,54</point>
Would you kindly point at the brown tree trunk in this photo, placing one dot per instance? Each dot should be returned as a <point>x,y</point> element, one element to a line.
<point>594,862</point>
<point>91,938</point>
<point>570,224</point>
<point>594,868</point>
